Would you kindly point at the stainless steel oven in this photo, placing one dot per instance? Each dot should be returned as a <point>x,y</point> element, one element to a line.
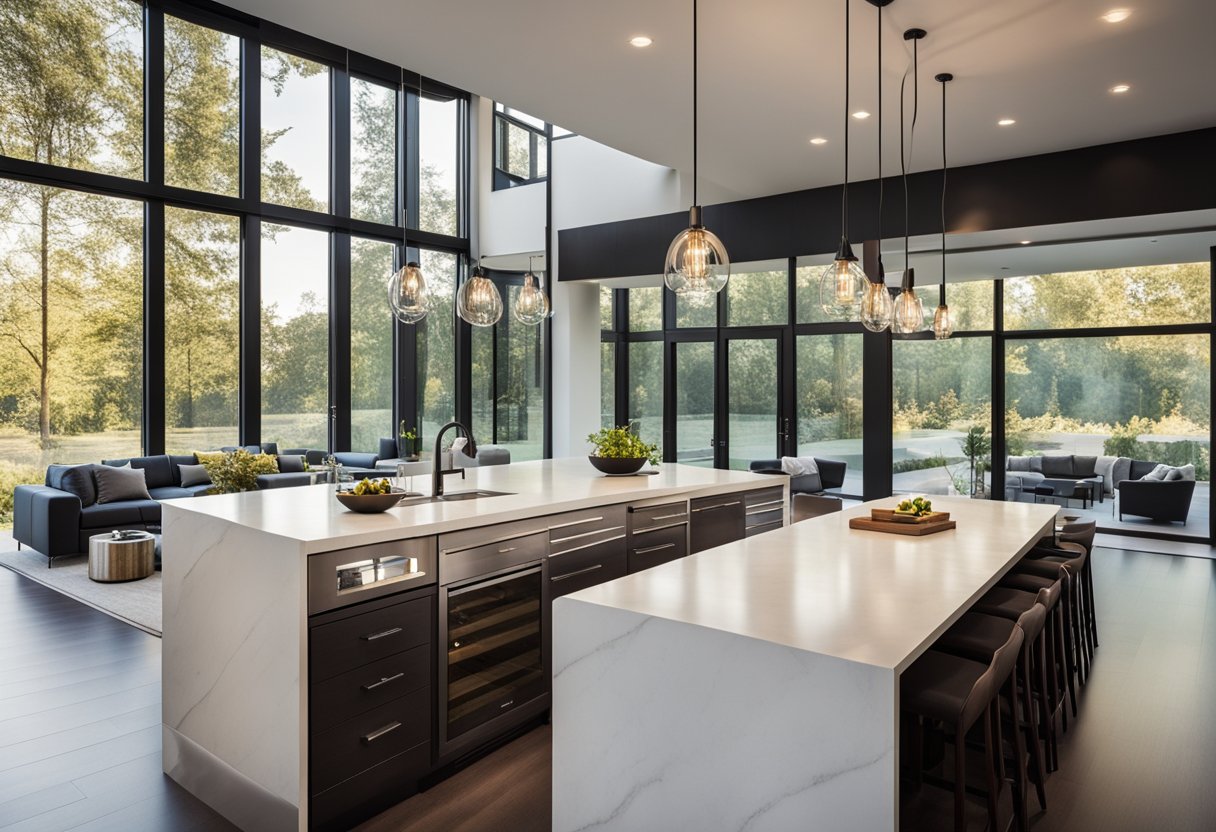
<point>493,642</point>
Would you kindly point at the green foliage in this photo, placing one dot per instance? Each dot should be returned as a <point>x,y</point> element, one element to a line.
<point>11,476</point>
<point>622,443</point>
<point>976,445</point>
<point>235,471</point>
<point>923,463</point>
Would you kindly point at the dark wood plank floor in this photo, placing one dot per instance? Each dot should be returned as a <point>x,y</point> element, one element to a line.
<point>76,711</point>
<point>80,721</point>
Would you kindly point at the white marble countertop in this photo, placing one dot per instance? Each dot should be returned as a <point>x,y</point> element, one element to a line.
<point>311,515</point>
<point>869,597</point>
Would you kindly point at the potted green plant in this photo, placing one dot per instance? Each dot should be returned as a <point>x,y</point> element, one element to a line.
<point>408,443</point>
<point>620,451</point>
<point>234,472</point>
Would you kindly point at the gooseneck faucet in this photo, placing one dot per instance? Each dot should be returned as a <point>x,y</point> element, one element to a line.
<point>437,469</point>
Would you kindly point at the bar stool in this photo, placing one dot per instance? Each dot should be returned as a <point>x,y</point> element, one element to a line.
<point>1082,534</point>
<point>959,692</point>
<point>977,636</point>
<point>1046,562</point>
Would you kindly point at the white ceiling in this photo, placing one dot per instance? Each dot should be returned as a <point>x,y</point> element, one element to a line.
<point>772,74</point>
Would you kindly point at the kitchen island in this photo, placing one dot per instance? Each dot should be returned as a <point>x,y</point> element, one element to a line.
<point>755,686</point>
<point>315,660</point>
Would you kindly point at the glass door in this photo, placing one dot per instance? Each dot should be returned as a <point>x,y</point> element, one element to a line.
<point>695,371</point>
<point>755,424</point>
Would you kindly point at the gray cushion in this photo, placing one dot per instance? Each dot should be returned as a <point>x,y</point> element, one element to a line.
<point>282,480</point>
<point>193,475</point>
<point>271,448</point>
<point>157,470</point>
<point>118,484</point>
<point>1018,463</point>
<point>1104,468</point>
<point>1140,467</point>
<point>103,515</point>
<point>1121,470</point>
<point>1057,466</point>
<point>1084,466</point>
<point>176,460</point>
<point>1188,472</point>
<point>1036,464</point>
<point>1174,474</point>
<point>356,460</point>
<point>74,479</point>
<point>291,464</point>
<point>1158,474</point>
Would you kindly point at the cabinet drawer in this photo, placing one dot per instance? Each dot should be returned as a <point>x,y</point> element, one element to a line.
<point>362,741</point>
<point>764,498</point>
<point>352,576</point>
<point>577,529</point>
<point>368,687</point>
<point>764,515</point>
<point>500,553</point>
<point>658,547</point>
<point>593,564</point>
<point>361,639</point>
<point>715,521</point>
<point>752,531</point>
<point>355,800</point>
<point>646,519</point>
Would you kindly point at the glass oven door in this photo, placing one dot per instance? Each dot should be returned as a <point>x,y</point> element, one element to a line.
<point>494,649</point>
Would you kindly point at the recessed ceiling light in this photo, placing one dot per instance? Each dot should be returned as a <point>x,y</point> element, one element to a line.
<point>1024,242</point>
<point>1117,15</point>
<point>1006,122</point>
<point>641,41</point>
<point>861,114</point>
<point>1119,89</point>
<point>819,140</point>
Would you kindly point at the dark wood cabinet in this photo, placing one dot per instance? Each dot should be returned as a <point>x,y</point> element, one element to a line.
<point>657,534</point>
<point>586,548</point>
<point>764,510</point>
<point>716,520</point>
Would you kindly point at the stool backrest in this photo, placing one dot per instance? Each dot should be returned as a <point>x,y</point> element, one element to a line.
<point>986,687</point>
<point>1082,533</point>
<point>1049,596</point>
<point>1033,619</point>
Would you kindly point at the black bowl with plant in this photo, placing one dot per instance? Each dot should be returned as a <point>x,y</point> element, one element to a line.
<point>620,451</point>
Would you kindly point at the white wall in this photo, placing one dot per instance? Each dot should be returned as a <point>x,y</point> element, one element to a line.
<point>592,183</point>
<point>509,221</point>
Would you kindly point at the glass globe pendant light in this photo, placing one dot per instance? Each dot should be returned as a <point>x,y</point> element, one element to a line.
<point>909,310</point>
<point>531,304</point>
<point>943,326</point>
<point>877,307</point>
<point>843,283</point>
<point>697,263</point>
<point>407,294</point>
<point>478,300</point>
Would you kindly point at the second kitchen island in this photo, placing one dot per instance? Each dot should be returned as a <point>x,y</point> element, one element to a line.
<point>319,663</point>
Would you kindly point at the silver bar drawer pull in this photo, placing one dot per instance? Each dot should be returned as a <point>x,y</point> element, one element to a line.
<point>718,506</point>
<point>576,522</point>
<point>650,549</point>
<point>666,517</point>
<point>380,732</point>
<point>384,681</point>
<point>508,549</point>
<point>381,634</point>
<point>583,571</point>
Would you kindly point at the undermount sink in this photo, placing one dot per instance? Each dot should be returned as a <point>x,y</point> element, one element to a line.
<point>470,495</point>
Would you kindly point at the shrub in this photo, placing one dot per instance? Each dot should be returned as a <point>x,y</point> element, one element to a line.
<point>11,476</point>
<point>235,471</point>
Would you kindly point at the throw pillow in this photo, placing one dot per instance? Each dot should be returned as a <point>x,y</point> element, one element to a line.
<point>1158,474</point>
<point>1036,464</point>
<point>117,484</point>
<point>194,475</point>
<point>1188,472</point>
<point>290,464</point>
<point>265,463</point>
<point>1084,466</point>
<point>1173,475</point>
<point>1104,468</point>
<point>1057,466</point>
<point>78,480</point>
<point>1018,463</point>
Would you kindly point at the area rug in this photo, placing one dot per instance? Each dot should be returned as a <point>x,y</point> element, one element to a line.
<point>135,602</point>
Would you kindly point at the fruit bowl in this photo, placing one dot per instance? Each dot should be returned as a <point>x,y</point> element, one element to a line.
<point>370,503</point>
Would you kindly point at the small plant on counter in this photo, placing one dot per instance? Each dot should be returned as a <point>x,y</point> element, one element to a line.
<point>623,443</point>
<point>409,443</point>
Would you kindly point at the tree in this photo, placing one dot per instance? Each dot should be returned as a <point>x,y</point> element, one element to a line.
<point>976,445</point>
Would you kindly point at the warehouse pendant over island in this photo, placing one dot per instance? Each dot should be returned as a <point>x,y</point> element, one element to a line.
<point>478,300</point>
<point>531,304</point>
<point>697,264</point>
<point>943,325</point>
<point>909,310</point>
<point>877,307</point>
<point>843,283</point>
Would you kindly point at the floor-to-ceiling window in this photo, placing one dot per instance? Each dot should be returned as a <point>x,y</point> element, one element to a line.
<point>436,391</point>
<point>371,344</point>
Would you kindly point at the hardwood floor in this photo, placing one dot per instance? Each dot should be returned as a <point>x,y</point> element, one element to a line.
<point>80,721</point>
<point>80,748</point>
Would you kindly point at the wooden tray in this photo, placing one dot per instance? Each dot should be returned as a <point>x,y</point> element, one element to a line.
<point>888,515</point>
<point>895,527</point>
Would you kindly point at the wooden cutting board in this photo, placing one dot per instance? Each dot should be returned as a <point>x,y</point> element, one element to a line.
<point>891,516</point>
<point>890,527</point>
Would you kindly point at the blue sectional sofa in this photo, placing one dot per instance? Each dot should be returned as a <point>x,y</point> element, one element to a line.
<point>59,517</point>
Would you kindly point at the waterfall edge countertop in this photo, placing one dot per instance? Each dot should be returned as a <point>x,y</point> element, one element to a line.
<point>311,515</point>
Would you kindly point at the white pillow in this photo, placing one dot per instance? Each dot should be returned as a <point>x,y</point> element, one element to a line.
<point>1158,474</point>
<point>1187,471</point>
<point>1173,475</point>
<point>194,475</point>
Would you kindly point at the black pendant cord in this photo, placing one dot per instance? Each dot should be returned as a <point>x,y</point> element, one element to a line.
<point>905,159</point>
<point>943,78</point>
<point>694,102</point>
<point>881,276</point>
<point>844,194</point>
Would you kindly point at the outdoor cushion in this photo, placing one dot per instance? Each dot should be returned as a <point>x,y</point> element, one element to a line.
<point>1140,467</point>
<point>291,464</point>
<point>1084,466</point>
<point>1173,474</point>
<point>1158,474</point>
<point>157,471</point>
<point>1057,466</point>
<point>118,484</point>
<point>1120,471</point>
<point>271,448</point>
<point>74,479</point>
<point>1187,471</point>
<point>1018,463</point>
<point>194,475</point>
<point>104,515</point>
<point>1036,464</point>
<point>1104,467</point>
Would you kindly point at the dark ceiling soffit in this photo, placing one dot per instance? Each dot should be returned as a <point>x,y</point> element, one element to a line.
<point>1159,175</point>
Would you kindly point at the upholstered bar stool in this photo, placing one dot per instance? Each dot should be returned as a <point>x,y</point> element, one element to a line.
<point>1045,562</point>
<point>978,636</point>
<point>959,693</point>
<point>1082,534</point>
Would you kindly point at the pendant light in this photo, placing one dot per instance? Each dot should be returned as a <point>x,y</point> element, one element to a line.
<point>408,297</point>
<point>697,264</point>
<point>909,310</point>
<point>478,300</point>
<point>942,323</point>
<point>843,283</point>
<point>877,308</point>
<point>531,304</point>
